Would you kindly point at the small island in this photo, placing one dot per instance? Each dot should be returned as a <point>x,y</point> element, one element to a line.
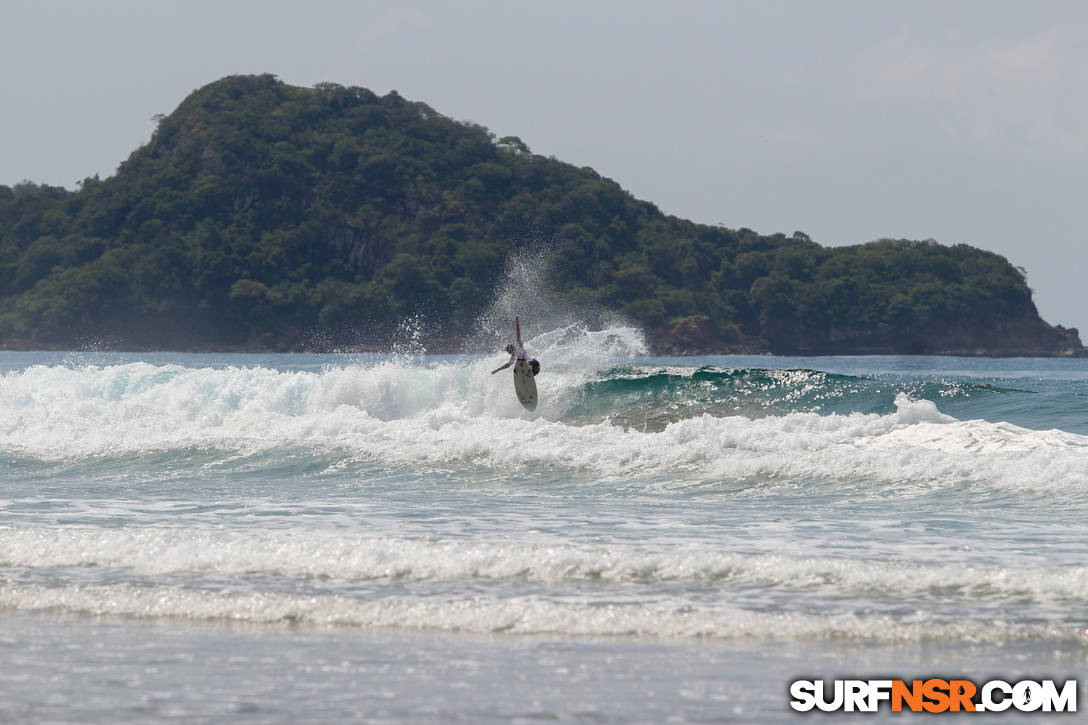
<point>263,216</point>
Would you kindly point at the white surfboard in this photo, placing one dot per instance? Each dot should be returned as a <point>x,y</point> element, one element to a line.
<point>524,384</point>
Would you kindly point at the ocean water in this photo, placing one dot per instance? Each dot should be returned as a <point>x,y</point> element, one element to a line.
<point>392,538</point>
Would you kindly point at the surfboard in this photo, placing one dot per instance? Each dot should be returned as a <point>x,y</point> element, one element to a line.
<point>524,384</point>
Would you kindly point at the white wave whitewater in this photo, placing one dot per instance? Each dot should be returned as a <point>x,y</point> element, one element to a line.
<point>721,497</point>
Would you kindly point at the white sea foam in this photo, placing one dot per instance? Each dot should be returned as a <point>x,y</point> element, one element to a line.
<point>515,615</point>
<point>455,413</point>
<point>158,551</point>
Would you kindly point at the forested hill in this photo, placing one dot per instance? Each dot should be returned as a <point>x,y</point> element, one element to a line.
<point>263,215</point>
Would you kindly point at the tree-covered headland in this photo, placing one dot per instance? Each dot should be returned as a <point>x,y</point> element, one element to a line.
<point>266,216</point>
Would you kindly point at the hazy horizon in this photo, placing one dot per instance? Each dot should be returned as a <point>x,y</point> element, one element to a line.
<point>850,121</point>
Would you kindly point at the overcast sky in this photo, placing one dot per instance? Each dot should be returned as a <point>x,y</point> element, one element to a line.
<point>850,121</point>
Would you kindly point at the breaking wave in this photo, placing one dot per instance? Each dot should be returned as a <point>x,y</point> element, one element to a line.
<point>605,412</point>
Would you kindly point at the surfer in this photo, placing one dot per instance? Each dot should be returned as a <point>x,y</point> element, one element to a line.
<point>518,352</point>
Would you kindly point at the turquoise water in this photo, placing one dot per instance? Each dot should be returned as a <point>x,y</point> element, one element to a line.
<point>396,539</point>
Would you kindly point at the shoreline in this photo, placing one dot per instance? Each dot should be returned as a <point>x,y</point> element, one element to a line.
<point>183,669</point>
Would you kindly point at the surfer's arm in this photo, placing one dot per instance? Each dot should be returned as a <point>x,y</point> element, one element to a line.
<point>517,329</point>
<point>503,367</point>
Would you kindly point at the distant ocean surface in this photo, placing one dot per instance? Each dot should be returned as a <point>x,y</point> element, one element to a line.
<point>382,538</point>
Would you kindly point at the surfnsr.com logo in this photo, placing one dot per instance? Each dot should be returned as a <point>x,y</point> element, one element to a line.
<point>933,695</point>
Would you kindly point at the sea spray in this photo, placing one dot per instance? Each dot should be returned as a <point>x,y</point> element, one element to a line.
<point>526,289</point>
